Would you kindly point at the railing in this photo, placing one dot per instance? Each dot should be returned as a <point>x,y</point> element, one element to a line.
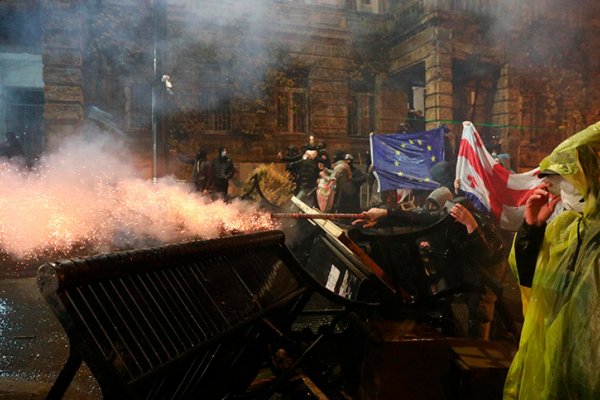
<point>411,10</point>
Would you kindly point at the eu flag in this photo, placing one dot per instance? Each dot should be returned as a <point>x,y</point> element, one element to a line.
<point>403,160</point>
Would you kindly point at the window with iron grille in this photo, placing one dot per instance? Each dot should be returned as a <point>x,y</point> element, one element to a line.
<point>140,106</point>
<point>361,114</point>
<point>109,86</point>
<point>214,101</point>
<point>292,105</point>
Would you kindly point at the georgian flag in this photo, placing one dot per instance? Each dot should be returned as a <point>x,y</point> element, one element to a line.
<point>489,185</point>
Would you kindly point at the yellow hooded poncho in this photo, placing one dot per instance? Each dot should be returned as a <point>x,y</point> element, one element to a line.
<point>559,352</point>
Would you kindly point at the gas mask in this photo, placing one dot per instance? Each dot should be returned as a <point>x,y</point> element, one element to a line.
<point>569,196</point>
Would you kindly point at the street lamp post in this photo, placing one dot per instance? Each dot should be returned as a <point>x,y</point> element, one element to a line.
<point>158,16</point>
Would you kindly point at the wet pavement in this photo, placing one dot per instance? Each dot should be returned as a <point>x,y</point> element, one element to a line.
<point>33,346</point>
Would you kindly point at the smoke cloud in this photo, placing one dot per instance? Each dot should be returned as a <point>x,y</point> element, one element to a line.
<point>89,196</point>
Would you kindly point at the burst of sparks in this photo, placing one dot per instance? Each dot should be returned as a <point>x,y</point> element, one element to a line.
<point>68,203</point>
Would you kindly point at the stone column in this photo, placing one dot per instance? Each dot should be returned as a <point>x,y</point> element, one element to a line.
<point>390,105</point>
<point>63,27</point>
<point>438,80</point>
<point>506,112</point>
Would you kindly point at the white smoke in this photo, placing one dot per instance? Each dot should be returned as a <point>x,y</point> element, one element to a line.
<point>88,194</point>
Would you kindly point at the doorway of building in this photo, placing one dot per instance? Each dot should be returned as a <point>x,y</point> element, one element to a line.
<point>23,115</point>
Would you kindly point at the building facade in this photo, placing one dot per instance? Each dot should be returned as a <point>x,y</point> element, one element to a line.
<point>258,76</point>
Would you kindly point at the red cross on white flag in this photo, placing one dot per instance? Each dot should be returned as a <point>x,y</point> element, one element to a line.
<point>489,184</point>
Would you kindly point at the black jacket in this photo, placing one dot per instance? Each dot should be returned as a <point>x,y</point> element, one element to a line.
<point>308,173</point>
<point>223,168</point>
<point>465,254</point>
<point>527,246</point>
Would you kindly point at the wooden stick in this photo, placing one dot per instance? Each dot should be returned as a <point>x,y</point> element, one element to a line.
<point>318,216</point>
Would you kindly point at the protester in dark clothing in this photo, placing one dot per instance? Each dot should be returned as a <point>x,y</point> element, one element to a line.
<point>470,246</point>
<point>311,145</point>
<point>202,173</point>
<point>358,178</point>
<point>292,154</point>
<point>422,216</point>
<point>308,173</point>
<point>11,147</point>
<point>323,157</point>
<point>418,124</point>
<point>444,173</point>
<point>223,170</point>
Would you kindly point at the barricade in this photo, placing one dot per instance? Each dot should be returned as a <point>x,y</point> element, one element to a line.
<point>184,321</point>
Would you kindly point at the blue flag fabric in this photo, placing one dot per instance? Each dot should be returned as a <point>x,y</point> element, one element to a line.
<point>403,160</point>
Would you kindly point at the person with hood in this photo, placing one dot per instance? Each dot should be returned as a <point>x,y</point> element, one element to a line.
<point>223,170</point>
<point>444,174</point>
<point>471,247</point>
<point>557,263</point>
<point>422,216</point>
<point>202,175</point>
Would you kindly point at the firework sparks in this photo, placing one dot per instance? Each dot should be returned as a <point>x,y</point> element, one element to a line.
<point>86,196</point>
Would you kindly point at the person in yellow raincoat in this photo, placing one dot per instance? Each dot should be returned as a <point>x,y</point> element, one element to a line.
<point>559,350</point>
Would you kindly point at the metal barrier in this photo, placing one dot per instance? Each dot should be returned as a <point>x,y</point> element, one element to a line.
<point>167,322</point>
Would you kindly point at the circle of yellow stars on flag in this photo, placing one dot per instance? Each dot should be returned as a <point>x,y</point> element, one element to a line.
<point>400,154</point>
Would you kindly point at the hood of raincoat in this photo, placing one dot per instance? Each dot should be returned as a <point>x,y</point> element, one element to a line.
<point>577,159</point>
<point>559,348</point>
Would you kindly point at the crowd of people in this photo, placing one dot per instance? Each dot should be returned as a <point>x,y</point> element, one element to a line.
<point>554,255</point>
<point>472,244</point>
<point>331,183</point>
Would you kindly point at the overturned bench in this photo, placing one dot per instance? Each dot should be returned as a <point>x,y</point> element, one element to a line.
<point>167,322</point>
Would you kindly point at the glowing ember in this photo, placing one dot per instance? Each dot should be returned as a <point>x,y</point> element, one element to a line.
<point>85,196</point>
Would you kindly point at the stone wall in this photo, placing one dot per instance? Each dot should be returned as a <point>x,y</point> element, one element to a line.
<point>543,93</point>
<point>322,39</point>
<point>316,38</point>
<point>63,60</point>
